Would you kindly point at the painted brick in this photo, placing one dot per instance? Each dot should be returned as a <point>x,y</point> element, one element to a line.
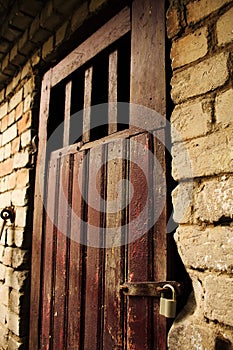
<point>25,122</point>
<point>223,108</point>
<point>2,250</point>
<point>25,45</point>
<point>9,134</point>
<point>48,48</point>
<point>4,294</point>
<point>18,302</point>
<point>22,177</point>
<point>189,48</point>
<point>26,138</point>
<point>182,199</point>
<point>16,324</point>
<point>21,217</point>
<point>7,257</point>
<point>205,76</point>
<point>6,167</point>
<point>49,19</point>
<point>2,95</point>
<point>19,111</point>
<point>15,144</point>
<point>5,199</point>
<point>17,279</point>
<point>210,248</point>
<point>28,87</point>
<point>16,343</point>
<point>12,181</point>
<point>21,159</point>
<point>3,110</point>
<point>7,150</point>
<point>4,332</point>
<point>1,154</point>
<point>191,334</point>
<point>190,120</point>
<point>218,303</point>
<point>61,34</point>
<point>79,16</point>
<point>10,236</point>
<point>4,123</point>
<point>199,9</point>
<point>205,156</point>
<point>173,22</point>
<point>27,70</point>
<point>214,200</point>
<point>37,34</point>
<point>11,117</point>
<point>2,272</point>
<point>225,28</point>
<point>15,100</point>
<point>27,103</point>
<point>66,8</point>
<point>21,240</point>
<point>96,4</point>
<point>20,197</point>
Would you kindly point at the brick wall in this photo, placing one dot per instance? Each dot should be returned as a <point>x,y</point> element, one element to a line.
<point>33,51</point>
<point>16,171</point>
<point>201,33</point>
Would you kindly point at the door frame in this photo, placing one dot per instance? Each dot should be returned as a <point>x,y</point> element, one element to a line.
<point>154,12</point>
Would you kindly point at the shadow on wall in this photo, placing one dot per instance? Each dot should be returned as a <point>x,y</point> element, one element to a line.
<point>222,344</point>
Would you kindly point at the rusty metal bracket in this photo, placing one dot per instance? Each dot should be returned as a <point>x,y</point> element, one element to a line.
<point>149,289</point>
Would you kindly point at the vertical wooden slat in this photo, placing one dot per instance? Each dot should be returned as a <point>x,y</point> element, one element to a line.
<point>114,261</point>
<point>61,257</point>
<point>94,256</point>
<point>87,104</point>
<point>76,259</point>
<point>112,92</point>
<point>38,214</point>
<point>139,262</point>
<point>159,234</point>
<point>147,83</point>
<point>50,233</point>
<point>66,135</point>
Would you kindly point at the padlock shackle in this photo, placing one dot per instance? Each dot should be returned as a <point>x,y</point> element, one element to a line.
<point>172,289</point>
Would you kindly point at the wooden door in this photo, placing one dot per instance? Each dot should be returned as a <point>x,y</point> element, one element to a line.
<point>101,188</point>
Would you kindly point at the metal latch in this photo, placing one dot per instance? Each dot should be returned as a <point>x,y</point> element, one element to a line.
<point>149,289</point>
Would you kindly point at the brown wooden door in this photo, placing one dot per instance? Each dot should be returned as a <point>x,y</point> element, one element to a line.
<point>102,189</point>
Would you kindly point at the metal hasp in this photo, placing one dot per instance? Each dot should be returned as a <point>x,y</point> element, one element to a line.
<point>8,213</point>
<point>149,289</point>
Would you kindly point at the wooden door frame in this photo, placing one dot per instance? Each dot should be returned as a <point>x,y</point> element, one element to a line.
<point>106,35</point>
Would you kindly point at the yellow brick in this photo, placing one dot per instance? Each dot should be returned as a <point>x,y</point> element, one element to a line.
<point>225,28</point>
<point>202,8</point>
<point>189,48</point>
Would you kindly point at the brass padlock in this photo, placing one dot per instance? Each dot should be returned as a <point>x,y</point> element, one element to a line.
<point>162,304</point>
<point>170,304</point>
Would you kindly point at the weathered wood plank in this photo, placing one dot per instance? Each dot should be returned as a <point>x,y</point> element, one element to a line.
<point>94,255</point>
<point>66,134</point>
<point>147,85</point>
<point>112,92</point>
<point>75,287</point>
<point>105,36</point>
<point>114,261</point>
<point>159,235</point>
<point>48,276</point>
<point>61,273</point>
<point>87,104</point>
<point>139,258</point>
<point>38,214</point>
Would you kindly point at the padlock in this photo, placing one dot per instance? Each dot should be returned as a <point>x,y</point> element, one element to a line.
<point>170,304</point>
<point>162,304</point>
